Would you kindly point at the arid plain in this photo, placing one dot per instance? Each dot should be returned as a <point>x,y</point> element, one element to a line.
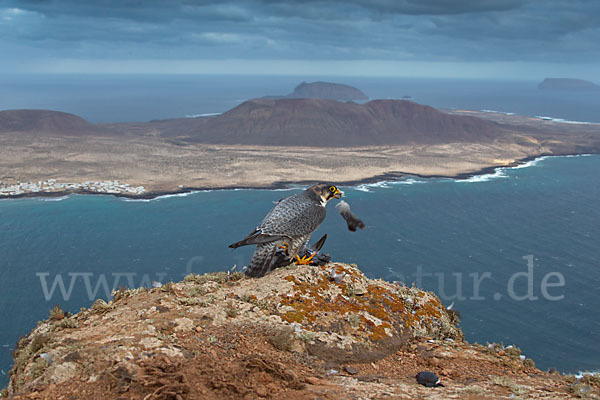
<point>140,155</point>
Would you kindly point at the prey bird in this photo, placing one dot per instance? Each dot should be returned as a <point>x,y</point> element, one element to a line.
<point>352,220</point>
<point>288,226</point>
<point>307,253</point>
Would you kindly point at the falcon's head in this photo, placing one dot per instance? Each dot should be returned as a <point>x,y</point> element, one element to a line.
<point>326,191</point>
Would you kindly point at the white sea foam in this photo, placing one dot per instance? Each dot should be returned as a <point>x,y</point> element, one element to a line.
<point>184,194</point>
<point>408,181</point>
<point>545,118</point>
<point>53,198</point>
<point>165,196</point>
<point>381,184</point>
<point>127,199</point>
<point>529,163</point>
<point>564,121</point>
<point>499,173</point>
<point>202,115</point>
<point>581,374</point>
<point>365,187</point>
<point>498,112</point>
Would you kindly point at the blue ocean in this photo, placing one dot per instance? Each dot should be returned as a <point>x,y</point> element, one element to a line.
<point>517,251</point>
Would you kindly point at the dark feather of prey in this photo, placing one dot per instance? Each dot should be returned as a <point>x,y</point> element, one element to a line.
<point>352,220</point>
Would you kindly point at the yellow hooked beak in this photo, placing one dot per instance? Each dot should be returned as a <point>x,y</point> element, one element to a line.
<point>338,193</point>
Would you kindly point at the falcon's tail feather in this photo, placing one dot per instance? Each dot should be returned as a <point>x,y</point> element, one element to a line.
<point>256,237</point>
<point>319,244</point>
<point>261,260</point>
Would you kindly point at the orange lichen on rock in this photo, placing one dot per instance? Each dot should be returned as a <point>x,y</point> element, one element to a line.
<point>380,309</point>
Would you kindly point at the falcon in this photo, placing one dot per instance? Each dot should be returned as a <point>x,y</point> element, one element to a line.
<point>288,226</point>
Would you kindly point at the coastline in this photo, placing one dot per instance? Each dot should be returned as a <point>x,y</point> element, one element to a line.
<point>284,185</point>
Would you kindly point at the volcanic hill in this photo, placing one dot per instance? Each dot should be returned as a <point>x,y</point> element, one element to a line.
<point>46,122</point>
<point>328,123</point>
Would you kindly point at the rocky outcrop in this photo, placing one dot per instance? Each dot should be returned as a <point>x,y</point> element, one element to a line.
<point>295,334</point>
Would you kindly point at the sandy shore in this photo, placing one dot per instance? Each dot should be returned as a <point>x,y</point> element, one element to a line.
<point>165,166</point>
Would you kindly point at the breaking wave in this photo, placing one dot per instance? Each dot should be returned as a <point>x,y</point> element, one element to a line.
<point>202,115</point>
<point>499,173</point>
<point>564,121</point>
<point>498,112</point>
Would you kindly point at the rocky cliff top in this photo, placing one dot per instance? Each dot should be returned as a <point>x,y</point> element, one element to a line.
<point>296,333</point>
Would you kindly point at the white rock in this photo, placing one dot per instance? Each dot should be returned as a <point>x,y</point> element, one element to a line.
<point>63,372</point>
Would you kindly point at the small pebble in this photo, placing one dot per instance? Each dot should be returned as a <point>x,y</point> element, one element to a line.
<point>428,379</point>
<point>313,380</point>
<point>47,357</point>
<point>336,277</point>
<point>261,391</point>
<point>350,370</point>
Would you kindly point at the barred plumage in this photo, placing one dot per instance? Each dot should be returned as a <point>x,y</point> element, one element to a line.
<point>291,222</point>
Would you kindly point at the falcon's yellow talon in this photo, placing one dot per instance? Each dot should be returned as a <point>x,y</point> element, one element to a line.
<point>284,247</point>
<point>304,260</point>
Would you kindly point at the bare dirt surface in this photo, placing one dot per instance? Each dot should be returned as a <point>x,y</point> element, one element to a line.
<point>162,166</point>
<point>294,334</point>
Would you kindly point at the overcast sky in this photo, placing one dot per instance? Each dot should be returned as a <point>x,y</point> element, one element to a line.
<point>477,38</point>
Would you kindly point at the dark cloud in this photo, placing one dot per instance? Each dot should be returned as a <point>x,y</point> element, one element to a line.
<point>436,7</point>
<point>463,30</point>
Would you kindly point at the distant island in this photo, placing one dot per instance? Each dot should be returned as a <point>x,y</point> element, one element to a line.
<point>567,84</point>
<point>324,90</point>
<point>269,143</point>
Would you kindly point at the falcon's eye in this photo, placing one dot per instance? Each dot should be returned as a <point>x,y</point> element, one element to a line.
<point>332,189</point>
